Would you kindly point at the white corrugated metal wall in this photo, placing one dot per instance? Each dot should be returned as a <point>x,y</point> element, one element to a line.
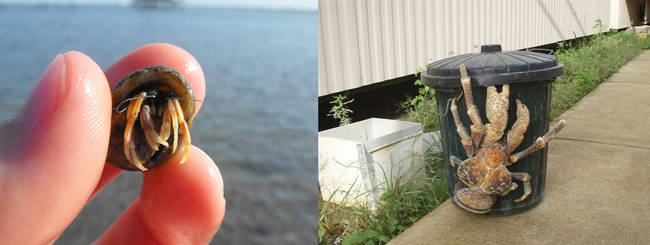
<point>367,41</point>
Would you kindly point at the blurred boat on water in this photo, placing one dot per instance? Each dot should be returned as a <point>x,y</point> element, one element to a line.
<point>156,3</point>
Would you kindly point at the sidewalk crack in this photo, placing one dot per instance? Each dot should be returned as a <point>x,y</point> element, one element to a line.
<point>602,143</point>
<point>623,82</point>
<point>626,83</point>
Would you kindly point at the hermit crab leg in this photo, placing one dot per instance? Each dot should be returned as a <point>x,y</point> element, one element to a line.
<point>525,178</point>
<point>135,160</point>
<point>166,127</point>
<point>516,133</point>
<point>496,109</point>
<point>131,115</point>
<point>186,131</point>
<point>153,139</point>
<point>462,131</point>
<point>539,143</point>
<point>174,119</point>
<point>477,125</point>
<point>160,110</point>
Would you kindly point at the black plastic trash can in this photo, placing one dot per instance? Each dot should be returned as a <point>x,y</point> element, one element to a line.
<point>530,75</point>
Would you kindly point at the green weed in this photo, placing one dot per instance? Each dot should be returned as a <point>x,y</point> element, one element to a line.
<point>423,107</point>
<point>400,206</point>
<point>339,110</point>
<point>589,64</point>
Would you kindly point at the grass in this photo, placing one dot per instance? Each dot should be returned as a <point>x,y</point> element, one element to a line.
<point>586,65</point>
<point>400,207</point>
<point>423,107</point>
<point>590,64</point>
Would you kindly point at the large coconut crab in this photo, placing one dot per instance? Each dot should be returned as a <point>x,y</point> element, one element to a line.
<point>484,176</point>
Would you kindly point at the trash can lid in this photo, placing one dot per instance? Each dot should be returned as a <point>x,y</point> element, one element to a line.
<point>493,67</point>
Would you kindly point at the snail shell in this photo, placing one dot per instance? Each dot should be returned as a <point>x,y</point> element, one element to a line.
<point>161,84</point>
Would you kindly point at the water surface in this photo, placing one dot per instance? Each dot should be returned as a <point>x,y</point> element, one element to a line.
<point>258,120</point>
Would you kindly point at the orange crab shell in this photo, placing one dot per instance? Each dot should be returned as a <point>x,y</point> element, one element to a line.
<point>486,171</point>
<point>495,155</point>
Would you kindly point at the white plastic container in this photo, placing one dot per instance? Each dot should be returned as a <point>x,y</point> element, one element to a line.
<point>356,161</point>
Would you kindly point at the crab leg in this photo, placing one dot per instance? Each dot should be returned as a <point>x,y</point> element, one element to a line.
<point>513,186</point>
<point>186,131</point>
<point>131,115</point>
<point>126,140</point>
<point>160,110</point>
<point>166,127</point>
<point>477,125</point>
<point>135,160</point>
<point>539,143</point>
<point>516,133</point>
<point>496,109</point>
<point>525,178</point>
<point>153,139</point>
<point>455,161</point>
<point>462,131</point>
<point>174,119</point>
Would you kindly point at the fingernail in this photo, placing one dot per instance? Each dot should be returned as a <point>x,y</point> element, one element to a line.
<point>46,98</point>
<point>215,174</point>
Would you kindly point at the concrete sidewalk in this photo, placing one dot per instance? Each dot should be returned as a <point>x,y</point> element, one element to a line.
<point>598,178</point>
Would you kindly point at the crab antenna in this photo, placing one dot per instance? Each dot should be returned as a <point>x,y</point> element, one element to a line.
<point>179,98</point>
<point>140,96</point>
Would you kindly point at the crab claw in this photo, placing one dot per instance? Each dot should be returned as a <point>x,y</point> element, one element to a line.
<point>496,110</point>
<point>516,133</point>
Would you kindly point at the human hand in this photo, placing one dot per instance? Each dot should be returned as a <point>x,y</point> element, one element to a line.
<point>52,160</point>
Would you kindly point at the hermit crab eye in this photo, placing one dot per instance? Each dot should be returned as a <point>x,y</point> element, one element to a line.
<point>152,117</point>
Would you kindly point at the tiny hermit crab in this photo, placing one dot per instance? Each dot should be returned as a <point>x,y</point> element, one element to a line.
<point>150,107</point>
<point>484,176</point>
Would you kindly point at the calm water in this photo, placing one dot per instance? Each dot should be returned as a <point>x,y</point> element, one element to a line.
<point>258,120</point>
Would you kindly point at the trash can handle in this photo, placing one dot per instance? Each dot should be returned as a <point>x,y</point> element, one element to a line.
<point>544,50</point>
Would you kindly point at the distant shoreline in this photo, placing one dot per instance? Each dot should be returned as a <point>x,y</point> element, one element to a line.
<point>226,7</point>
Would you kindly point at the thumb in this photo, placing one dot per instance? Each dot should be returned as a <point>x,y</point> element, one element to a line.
<point>53,152</point>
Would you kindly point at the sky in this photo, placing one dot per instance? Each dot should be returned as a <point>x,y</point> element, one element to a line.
<point>281,4</point>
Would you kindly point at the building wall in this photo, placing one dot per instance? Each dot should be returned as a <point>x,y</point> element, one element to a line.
<point>362,42</point>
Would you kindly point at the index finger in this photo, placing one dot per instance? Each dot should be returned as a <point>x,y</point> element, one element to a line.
<point>161,54</point>
<point>148,55</point>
